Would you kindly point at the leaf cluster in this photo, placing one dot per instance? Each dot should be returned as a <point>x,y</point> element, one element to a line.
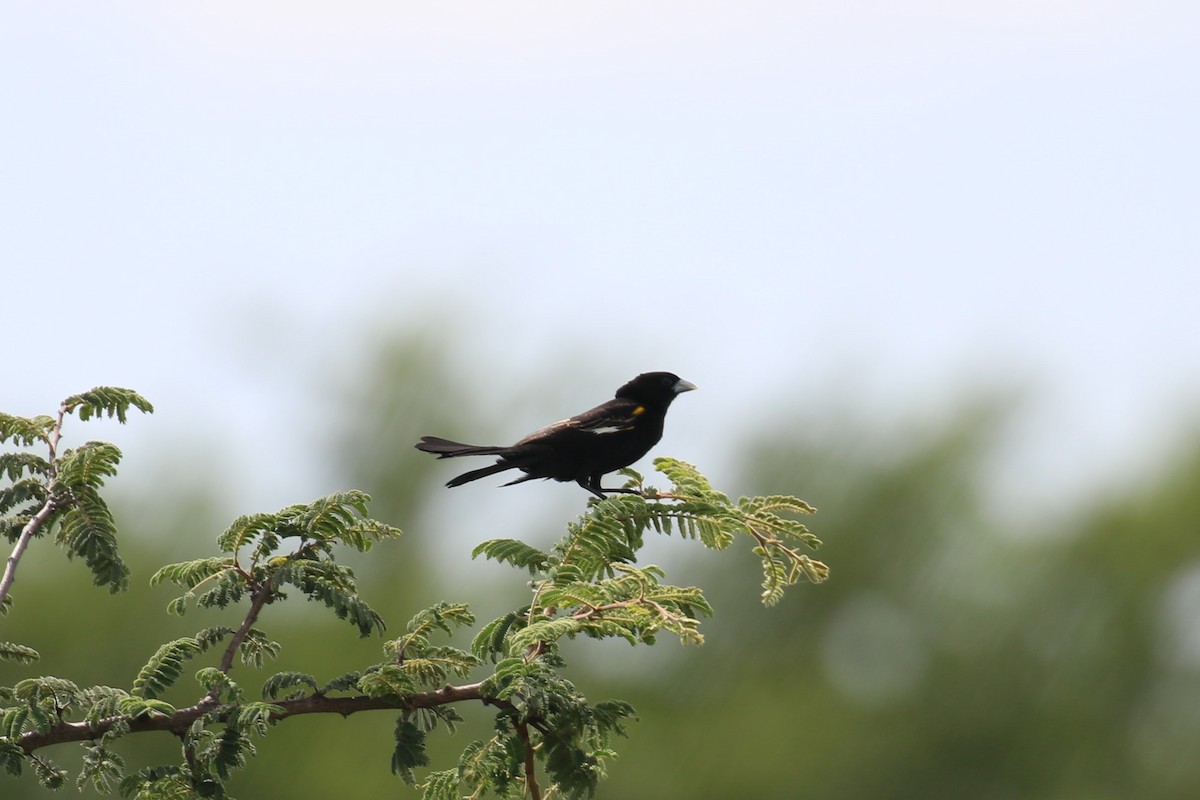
<point>588,584</point>
<point>219,730</point>
<point>60,491</point>
<point>47,490</point>
<point>259,564</point>
<point>545,719</point>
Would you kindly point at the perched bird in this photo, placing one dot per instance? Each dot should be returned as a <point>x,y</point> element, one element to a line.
<point>585,447</point>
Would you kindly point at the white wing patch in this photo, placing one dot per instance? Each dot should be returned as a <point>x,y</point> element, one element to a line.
<point>606,429</point>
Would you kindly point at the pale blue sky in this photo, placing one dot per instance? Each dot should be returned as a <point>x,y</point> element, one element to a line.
<point>865,197</point>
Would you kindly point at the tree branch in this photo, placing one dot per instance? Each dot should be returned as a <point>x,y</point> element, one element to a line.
<point>535,791</point>
<point>65,732</point>
<point>39,519</point>
<point>261,595</point>
<point>27,533</point>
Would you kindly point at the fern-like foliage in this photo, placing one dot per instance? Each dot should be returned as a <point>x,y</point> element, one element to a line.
<point>102,769</point>
<point>61,490</point>
<point>340,518</point>
<point>589,584</point>
<point>87,465</point>
<point>490,642</point>
<point>14,466</point>
<point>569,734</point>
<point>416,663</point>
<point>283,685</point>
<point>258,562</point>
<point>11,651</point>
<point>491,765</point>
<point>410,750</point>
<point>110,401</point>
<point>164,667</point>
<point>515,552</point>
<point>444,617</point>
<point>267,556</point>
<point>27,493</point>
<point>25,431</point>
<point>87,530</point>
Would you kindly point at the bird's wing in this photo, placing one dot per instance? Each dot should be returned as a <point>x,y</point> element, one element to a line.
<point>620,414</point>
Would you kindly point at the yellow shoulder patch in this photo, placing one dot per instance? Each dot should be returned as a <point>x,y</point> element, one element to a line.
<point>639,410</point>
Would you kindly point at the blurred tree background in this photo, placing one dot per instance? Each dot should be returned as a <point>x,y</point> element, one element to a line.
<point>949,655</point>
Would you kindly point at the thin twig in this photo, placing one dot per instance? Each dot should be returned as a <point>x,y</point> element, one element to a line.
<point>261,595</point>
<point>535,791</point>
<point>39,519</point>
<point>27,533</point>
<point>311,704</point>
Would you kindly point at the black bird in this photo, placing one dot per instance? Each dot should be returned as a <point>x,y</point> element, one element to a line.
<point>585,447</point>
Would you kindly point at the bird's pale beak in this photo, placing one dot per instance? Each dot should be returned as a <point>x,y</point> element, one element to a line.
<point>682,386</point>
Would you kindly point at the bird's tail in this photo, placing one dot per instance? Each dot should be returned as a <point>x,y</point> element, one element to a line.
<point>444,448</point>
<point>483,472</point>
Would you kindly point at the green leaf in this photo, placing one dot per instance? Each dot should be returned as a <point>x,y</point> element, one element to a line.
<point>88,530</point>
<point>101,768</point>
<point>515,552</point>
<point>340,517</point>
<point>609,717</point>
<point>256,648</point>
<point>111,401</point>
<point>333,585</point>
<point>437,664</point>
<point>16,465</point>
<point>164,667</point>
<point>232,748</point>
<point>228,588</point>
<point>218,684</point>
<point>489,644</point>
<point>12,723</point>
<point>10,651</point>
<point>158,783</point>
<point>58,692</point>
<point>27,490</point>
<point>102,702</point>
<point>25,431</point>
<point>441,785</point>
<point>210,637</point>
<point>49,775</point>
<point>543,631</point>
<point>343,683</point>
<point>278,684</point>
<point>410,750</point>
<point>255,717</point>
<point>12,757</point>
<point>190,574</point>
<point>88,465</point>
<point>134,707</point>
<point>387,680</point>
<point>246,529</point>
<point>442,616</point>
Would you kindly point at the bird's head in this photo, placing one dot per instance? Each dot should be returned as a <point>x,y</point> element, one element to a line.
<point>655,388</point>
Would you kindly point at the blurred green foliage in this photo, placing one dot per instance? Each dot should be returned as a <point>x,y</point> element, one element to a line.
<point>946,657</point>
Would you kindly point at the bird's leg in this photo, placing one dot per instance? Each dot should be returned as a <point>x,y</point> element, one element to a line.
<point>592,484</point>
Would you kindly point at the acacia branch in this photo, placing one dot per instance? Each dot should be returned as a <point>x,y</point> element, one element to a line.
<point>27,533</point>
<point>66,732</point>
<point>261,595</point>
<point>535,791</point>
<point>39,519</point>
